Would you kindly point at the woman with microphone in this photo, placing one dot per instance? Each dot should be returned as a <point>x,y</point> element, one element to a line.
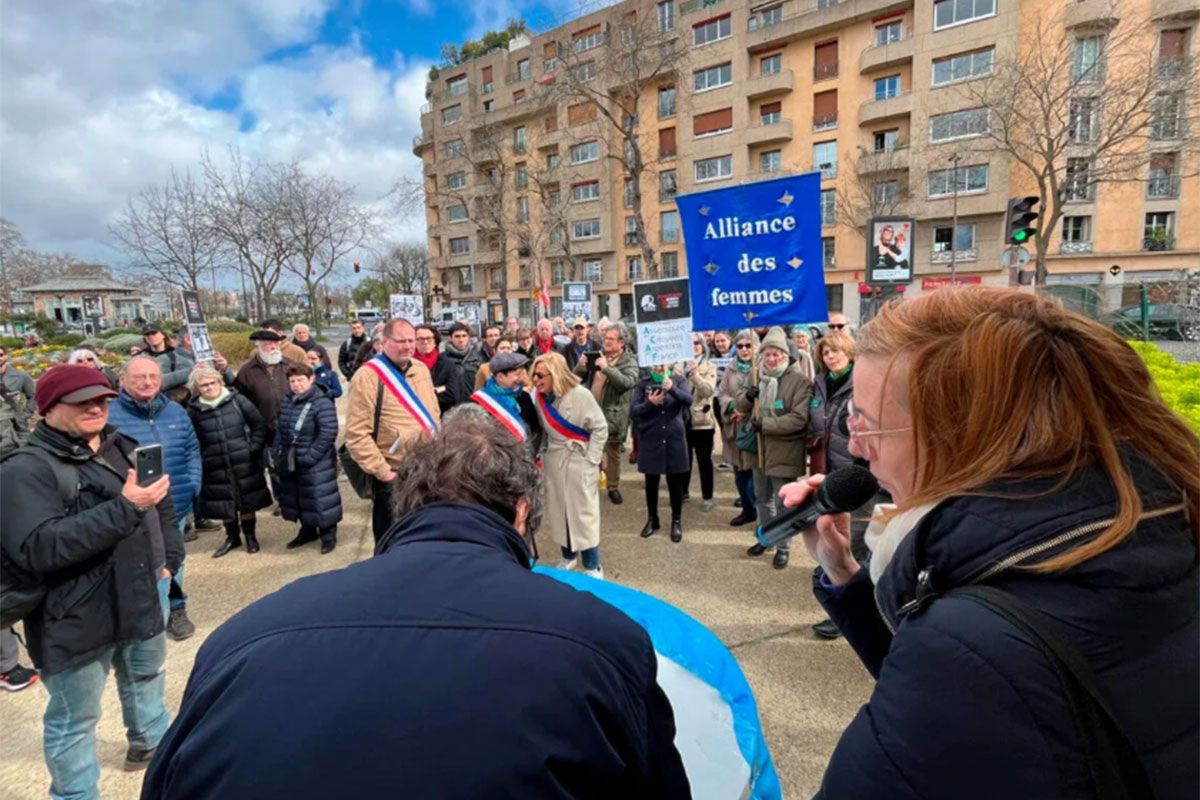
<point>1030,606</point>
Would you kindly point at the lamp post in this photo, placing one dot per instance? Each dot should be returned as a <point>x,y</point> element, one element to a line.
<point>954,159</point>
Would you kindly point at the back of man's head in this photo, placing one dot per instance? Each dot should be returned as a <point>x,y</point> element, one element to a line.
<point>271,325</point>
<point>472,460</point>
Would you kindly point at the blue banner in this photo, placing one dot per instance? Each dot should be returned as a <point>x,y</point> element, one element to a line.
<point>754,253</point>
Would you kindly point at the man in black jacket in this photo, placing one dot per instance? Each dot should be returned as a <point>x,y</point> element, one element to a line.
<point>473,677</point>
<point>449,378</point>
<point>348,352</point>
<point>101,546</point>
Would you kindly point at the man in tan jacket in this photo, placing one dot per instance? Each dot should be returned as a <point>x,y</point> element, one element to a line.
<point>398,425</point>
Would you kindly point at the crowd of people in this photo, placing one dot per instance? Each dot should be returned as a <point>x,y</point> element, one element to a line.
<point>100,559</point>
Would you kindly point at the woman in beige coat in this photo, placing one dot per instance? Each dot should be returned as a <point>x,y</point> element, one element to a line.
<point>576,433</point>
<point>740,374</point>
<point>701,376</point>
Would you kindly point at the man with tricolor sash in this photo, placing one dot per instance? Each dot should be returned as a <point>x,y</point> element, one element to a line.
<point>392,404</point>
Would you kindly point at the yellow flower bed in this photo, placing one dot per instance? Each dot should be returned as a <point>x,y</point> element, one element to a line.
<point>1178,383</point>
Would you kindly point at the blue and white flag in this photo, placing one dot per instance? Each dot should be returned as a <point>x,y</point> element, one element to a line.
<point>717,731</point>
<point>754,253</point>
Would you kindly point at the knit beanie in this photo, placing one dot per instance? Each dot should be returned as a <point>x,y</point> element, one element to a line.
<point>775,338</point>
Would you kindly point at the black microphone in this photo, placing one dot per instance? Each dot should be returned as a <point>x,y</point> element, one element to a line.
<point>844,490</point>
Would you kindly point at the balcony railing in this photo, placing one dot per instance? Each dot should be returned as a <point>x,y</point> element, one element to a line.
<point>943,256</point>
<point>825,122</point>
<point>1073,248</point>
<point>823,72</point>
<point>517,77</point>
<point>1165,188</point>
<point>688,6</point>
<point>765,19</point>
<point>1157,243</point>
<point>631,239</point>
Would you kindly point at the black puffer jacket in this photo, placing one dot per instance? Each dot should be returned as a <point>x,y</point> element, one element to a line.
<point>232,436</point>
<point>310,494</point>
<point>99,563</point>
<point>827,417</point>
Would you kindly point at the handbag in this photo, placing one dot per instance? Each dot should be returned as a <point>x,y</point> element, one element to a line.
<point>285,464</point>
<point>361,481</point>
<point>746,438</point>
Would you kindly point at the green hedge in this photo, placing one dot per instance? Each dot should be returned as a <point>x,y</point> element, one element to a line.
<point>228,326</point>
<point>11,342</point>
<point>1177,382</point>
<point>66,339</point>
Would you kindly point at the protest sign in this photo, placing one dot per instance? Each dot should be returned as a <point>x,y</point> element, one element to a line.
<point>754,253</point>
<point>407,306</point>
<point>663,317</point>
<point>193,317</point>
<point>889,250</point>
<point>577,301</point>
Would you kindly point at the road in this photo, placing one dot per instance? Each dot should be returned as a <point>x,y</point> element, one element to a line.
<point>807,689</point>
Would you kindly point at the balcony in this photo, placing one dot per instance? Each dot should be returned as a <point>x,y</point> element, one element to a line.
<point>762,86</point>
<point>1174,10</point>
<point>891,54</point>
<point>421,141</point>
<point>778,131</point>
<point>825,122</point>
<point>882,161</point>
<point>960,256</point>
<point>517,77</point>
<point>1158,241</point>
<point>461,90</point>
<point>1075,248</point>
<point>825,72</point>
<point>462,259</point>
<point>885,108</point>
<point>802,18</point>
<point>689,6</point>
<point>1091,14</point>
<point>1162,188</point>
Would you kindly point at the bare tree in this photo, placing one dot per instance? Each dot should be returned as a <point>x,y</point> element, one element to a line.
<point>613,78</point>
<point>166,232</point>
<point>21,266</point>
<point>404,268</point>
<point>1084,108</point>
<point>877,187</point>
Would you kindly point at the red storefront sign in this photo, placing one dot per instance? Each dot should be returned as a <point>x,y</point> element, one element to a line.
<point>937,283</point>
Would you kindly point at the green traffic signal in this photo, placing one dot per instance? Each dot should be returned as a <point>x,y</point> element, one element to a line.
<point>1020,218</point>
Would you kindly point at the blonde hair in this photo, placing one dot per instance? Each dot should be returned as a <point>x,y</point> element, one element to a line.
<point>838,341</point>
<point>1070,392</point>
<point>560,374</point>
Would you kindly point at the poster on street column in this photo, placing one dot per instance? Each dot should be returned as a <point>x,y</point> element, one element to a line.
<point>754,253</point>
<point>889,252</point>
<point>193,316</point>
<point>407,306</point>
<point>577,301</point>
<point>662,314</point>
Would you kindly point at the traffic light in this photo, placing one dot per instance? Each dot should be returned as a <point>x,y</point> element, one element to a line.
<point>357,266</point>
<point>1021,215</point>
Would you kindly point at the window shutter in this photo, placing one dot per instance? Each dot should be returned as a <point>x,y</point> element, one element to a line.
<point>580,113</point>
<point>585,32</point>
<point>666,142</point>
<point>550,50</point>
<point>825,104</point>
<point>712,121</point>
<point>825,54</point>
<point>771,108</point>
<point>1172,43</point>
<point>487,74</point>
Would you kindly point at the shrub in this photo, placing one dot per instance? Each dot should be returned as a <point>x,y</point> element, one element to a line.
<point>228,326</point>
<point>11,342</point>
<point>111,332</point>
<point>1178,383</point>
<point>122,342</point>
<point>236,347</point>
<point>66,340</point>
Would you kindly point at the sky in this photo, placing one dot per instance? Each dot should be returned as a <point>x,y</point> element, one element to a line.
<point>101,98</point>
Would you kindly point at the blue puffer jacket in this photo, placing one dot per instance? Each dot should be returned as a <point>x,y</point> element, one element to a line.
<point>310,494</point>
<point>473,678</point>
<point>163,421</point>
<point>966,706</point>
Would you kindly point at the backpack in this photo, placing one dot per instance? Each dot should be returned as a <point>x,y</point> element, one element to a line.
<point>20,592</point>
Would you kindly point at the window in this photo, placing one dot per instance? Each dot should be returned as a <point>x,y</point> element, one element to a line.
<point>771,65</point>
<point>583,192</point>
<point>770,161</point>
<point>828,252</point>
<point>1172,51</point>
<point>713,122</point>
<point>1167,116</point>
<point>589,40</point>
<point>666,144</point>
<point>964,240</point>
<point>825,60</point>
<point>627,193</point>
<point>713,169</point>
<point>1087,64</point>
<point>712,31</point>
<point>959,124</point>
<point>957,12</point>
<point>524,276</point>
<point>668,224</point>
<point>1077,229</point>
<point>667,185</point>
<point>887,87</point>
<point>521,177</point>
<point>888,32</point>
<point>825,159</point>
<point>579,113</point>
<point>634,268</point>
<point>828,205</point>
<point>466,278</point>
<point>631,236</point>
<point>1077,185</point>
<point>585,152</point>
<point>523,208</point>
<point>456,180</point>
<point>553,161</point>
<point>886,141</point>
<point>1084,123</point>
<point>1162,184</point>
<point>523,69</point>
<point>519,139</point>
<point>519,96</point>
<point>766,18</point>
<point>825,112</point>
<point>553,198</point>
<point>456,213</point>
<point>454,147</point>
<point>584,72</point>
<point>666,102</point>
<point>712,77</point>
<point>558,273</point>
<point>666,16</point>
<point>962,67</point>
<point>585,229</point>
<point>1159,233</point>
<point>460,245</point>
<point>457,85</point>
<point>884,192</point>
<point>770,113</point>
<point>525,308</point>
<point>670,265</point>
<point>451,115</point>
<point>486,77</point>
<point>556,234</point>
<point>487,105</point>
<point>593,270</point>
<point>972,178</point>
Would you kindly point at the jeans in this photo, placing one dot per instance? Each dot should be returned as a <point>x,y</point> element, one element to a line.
<point>164,597</point>
<point>590,556</point>
<point>744,480</point>
<point>767,487</point>
<point>69,738</point>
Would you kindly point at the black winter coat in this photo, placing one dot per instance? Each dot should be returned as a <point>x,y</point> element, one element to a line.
<point>99,563</point>
<point>232,437</point>
<point>966,706</point>
<point>310,494</point>
<point>473,678</point>
<point>448,372</point>
<point>827,420</point>
<point>661,429</point>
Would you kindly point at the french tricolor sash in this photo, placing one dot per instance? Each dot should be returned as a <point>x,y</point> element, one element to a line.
<point>565,429</point>
<point>515,425</point>
<point>405,396</point>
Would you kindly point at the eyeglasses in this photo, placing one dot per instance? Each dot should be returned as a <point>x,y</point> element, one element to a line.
<point>745,346</point>
<point>836,326</point>
<point>858,426</point>
<point>207,384</point>
<point>540,375</point>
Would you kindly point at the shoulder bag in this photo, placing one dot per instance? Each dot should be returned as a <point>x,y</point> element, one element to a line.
<point>359,479</point>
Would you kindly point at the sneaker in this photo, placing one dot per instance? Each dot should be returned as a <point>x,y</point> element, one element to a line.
<point>597,573</point>
<point>708,505</point>
<point>179,627</point>
<point>723,467</point>
<point>208,525</point>
<point>137,759</point>
<point>567,563</point>
<point>18,678</point>
<point>826,629</point>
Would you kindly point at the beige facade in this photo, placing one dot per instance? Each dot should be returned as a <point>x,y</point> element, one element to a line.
<point>854,88</point>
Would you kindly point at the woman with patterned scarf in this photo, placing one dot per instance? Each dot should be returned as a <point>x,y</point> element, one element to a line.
<point>777,407</point>
<point>738,375</point>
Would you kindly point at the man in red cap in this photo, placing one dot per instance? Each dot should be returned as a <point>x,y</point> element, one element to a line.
<point>98,545</point>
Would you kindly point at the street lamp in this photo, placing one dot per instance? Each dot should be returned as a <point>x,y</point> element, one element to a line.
<point>954,159</point>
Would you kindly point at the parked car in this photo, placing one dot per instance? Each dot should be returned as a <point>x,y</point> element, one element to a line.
<point>1167,321</point>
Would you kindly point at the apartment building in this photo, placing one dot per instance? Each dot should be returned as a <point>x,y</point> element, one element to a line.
<point>868,92</point>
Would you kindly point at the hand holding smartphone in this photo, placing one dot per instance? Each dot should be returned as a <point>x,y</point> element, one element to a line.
<point>148,462</point>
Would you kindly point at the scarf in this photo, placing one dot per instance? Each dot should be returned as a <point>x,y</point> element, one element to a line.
<point>657,378</point>
<point>216,401</point>
<point>768,389</point>
<point>742,366</point>
<point>884,539</point>
<point>546,346</point>
<point>505,397</point>
<point>428,360</point>
<point>455,351</point>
